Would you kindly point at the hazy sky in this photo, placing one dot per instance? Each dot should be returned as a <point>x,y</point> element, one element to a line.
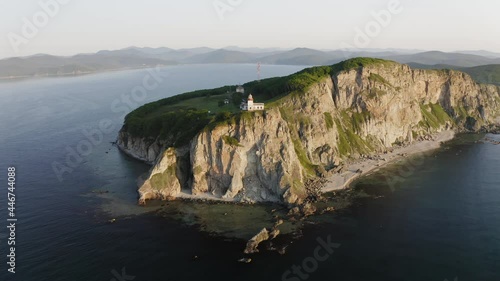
<point>92,25</point>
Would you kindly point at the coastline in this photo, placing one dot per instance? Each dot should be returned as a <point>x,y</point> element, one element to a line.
<point>339,181</point>
<point>83,73</point>
<point>355,170</point>
<point>131,154</point>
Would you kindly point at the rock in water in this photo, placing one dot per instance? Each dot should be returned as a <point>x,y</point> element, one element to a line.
<point>253,243</point>
<point>308,209</point>
<point>245,260</point>
<point>295,211</point>
<point>278,223</point>
<point>274,233</point>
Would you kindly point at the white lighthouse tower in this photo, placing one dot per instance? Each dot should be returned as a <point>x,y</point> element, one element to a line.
<point>250,101</point>
<point>250,105</point>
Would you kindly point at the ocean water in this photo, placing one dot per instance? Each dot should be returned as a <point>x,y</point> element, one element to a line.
<point>440,220</point>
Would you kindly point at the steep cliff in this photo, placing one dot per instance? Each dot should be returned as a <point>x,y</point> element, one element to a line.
<point>324,116</point>
<point>142,148</point>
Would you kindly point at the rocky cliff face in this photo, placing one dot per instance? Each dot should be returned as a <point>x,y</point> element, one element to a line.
<point>144,149</point>
<point>269,155</point>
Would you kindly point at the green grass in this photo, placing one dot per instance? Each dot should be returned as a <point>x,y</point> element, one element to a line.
<point>209,103</point>
<point>414,134</point>
<point>304,120</point>
<point>374,93</point>
<point>344,145</point>
<point>231,141</point>
<point>360,118</point>
<point>178,119</point>
<point>379,79</point>
<point>287,114</point>
<point>150,108</point>
<point>429,121</point>
<point>462,116</point>
<point>197,170</point>
<point>302,80</point>
<point>165,179</point>
<point>176,127</point>
<point>295,184</point>
<point>293,120</point>
<point>359,62</point>
<point>434,116</point>
<point>328,120</point>
<point>461,112</point>
<point>349,141</point>
<point>438,111</point>
<point>298,188</point>
<point>302,156</point>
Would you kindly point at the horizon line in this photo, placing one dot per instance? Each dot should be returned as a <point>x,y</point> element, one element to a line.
<point>227,48</point>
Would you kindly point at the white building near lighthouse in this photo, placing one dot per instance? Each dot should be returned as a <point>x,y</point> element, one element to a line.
<point>249,105</point>
<point>240,89</point>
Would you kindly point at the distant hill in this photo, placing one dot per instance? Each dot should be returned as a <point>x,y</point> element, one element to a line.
<point>299,56</point>
<point>435,57</point>
<point>163,53</point>
<point>254,50</point>
<point>481,53</point>
<point>487,74</point>
<point>150,51</point>
<point>47,65</point>
<point>221,56</point>
<point>137,57</point>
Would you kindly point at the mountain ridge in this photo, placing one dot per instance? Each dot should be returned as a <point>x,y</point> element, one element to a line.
<point>137,57</point>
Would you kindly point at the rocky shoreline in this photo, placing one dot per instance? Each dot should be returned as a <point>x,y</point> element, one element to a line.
<point>367,164</point>
<point>146,150</point>
<point>346,174</point>
<point>338,178</point>
<point>272,239</point>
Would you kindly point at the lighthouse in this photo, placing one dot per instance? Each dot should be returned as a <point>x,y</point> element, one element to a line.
<point>249,105</point>
<point>250,101</point>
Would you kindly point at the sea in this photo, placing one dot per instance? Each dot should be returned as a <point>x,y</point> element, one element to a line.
<point>430,217</point>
